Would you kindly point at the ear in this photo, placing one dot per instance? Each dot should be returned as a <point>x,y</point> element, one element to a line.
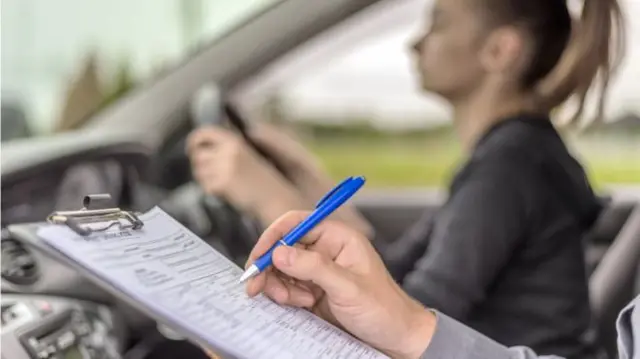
<point>502,51</point>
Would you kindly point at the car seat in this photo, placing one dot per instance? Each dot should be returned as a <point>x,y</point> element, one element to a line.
<point>605,230</point>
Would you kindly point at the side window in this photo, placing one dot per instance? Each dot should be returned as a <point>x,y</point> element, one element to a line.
<point>369,117</point>
<point>63,61</point>
<point>353,97</point>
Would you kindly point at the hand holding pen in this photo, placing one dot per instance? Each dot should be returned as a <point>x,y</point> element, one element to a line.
<point>339,276</point>
<point>325,207</point>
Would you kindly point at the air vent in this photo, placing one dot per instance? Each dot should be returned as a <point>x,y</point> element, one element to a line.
<point>18,264</point>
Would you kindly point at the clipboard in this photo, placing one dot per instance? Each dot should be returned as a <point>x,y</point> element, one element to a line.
<point>95,210</point>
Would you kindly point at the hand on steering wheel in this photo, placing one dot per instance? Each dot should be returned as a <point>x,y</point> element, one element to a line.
<point>225,166</point>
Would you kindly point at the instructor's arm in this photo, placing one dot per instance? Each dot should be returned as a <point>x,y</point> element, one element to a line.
<point>336,273</point>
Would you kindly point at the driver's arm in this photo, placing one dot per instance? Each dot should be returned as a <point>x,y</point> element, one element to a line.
<point>224,165</point>
<point>306,173</point>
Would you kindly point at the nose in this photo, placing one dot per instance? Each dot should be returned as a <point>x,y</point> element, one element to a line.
<point>417,44</point>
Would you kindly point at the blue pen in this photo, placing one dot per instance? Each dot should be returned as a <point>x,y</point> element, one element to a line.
<point>327,205</point>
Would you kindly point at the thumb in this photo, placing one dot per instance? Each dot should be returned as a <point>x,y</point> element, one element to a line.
<point>312,266</point>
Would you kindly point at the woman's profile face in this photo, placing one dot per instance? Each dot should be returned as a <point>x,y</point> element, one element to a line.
<point>447,54</point>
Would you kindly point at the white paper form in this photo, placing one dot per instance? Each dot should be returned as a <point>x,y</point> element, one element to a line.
<point>167,268</point>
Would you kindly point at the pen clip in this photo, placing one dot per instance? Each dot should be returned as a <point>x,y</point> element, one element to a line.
<point>330,194</point>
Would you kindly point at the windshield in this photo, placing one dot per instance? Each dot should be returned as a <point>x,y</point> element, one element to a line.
<point>64,60</point>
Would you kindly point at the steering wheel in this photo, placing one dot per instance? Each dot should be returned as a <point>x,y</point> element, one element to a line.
<point>228,230</point>
<point>208,108</point>
<point>237,232</point>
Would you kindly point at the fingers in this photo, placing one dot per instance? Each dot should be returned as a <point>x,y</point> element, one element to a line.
<point>315,267</point>
<point>213,165</point>
<point>279,229</point>
<point>281,290</point>
<point>211,171</point>
<point>256,284</point>
<point>203,156</point>
<point>313,263</point>
<point>287,293</point>
<point>330,245</point>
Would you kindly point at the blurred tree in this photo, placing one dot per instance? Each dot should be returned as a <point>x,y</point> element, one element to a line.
<point>123,83</point>
<point>86,95</point>
<point>83,96</point>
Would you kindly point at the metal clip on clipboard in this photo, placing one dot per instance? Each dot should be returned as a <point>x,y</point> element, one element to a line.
<point>96,210</point>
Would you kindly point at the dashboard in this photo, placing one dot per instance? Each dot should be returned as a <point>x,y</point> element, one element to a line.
<point>46,327</point>
<point>39,177</point>
<point>32,199</point>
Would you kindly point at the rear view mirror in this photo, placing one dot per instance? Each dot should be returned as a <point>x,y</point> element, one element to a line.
<point>206,106</point>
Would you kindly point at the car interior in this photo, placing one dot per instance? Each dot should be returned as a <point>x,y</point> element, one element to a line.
<point>49,311</point>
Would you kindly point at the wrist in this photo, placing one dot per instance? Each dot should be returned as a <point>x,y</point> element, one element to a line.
<point>421,328</point>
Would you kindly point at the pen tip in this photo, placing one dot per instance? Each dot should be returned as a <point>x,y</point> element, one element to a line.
<point>252,271</point>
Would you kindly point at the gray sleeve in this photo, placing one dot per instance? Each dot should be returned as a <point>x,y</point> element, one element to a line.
<point>628,326</point>
<point>453,340</point>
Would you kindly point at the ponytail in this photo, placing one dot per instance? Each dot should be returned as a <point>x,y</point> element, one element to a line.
<point>593,54</point>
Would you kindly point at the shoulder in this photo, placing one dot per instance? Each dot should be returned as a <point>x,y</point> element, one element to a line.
<point>519,144</point>
<point>514,146</point>
<point>501,177</point>
<point>514,153</point>
<point>500,184</point>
